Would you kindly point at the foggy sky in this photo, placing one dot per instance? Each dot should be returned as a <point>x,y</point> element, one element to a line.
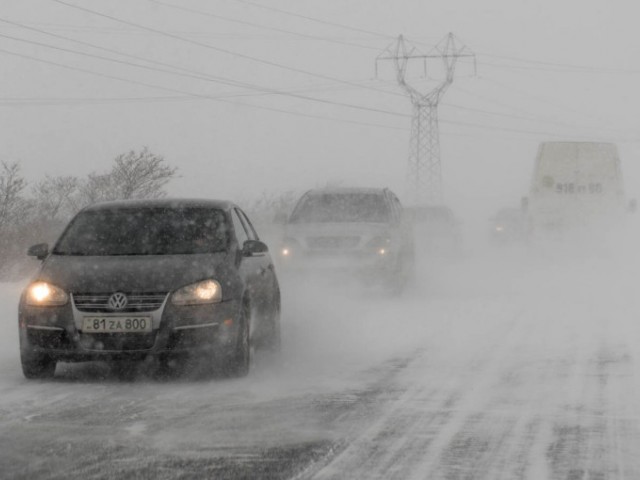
<point>545,71</point>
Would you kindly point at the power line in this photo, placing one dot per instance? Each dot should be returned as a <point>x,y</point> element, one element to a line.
<point>264,27</point>
<point>520,131</point>
<point>212,47</point>
<point>561,66</point>
<point>93,45</point>
<point>136,57</point>
<point>530,118</point>
<point>211,79</point>
<point>192,94</point>
<point>55,101</point>
<point>314,19</point>
<point>541,99</point>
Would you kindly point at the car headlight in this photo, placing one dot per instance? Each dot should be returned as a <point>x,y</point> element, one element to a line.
<point>206,291</point>
<point>44,294</point>
<point>380,245</point>
<point>289,246</point>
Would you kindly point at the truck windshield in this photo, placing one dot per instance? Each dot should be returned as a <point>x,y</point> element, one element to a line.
<point>145,231</point>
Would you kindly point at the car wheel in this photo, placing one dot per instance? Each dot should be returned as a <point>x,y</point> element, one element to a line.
<point>239,361</point>
<point>272,341</point>
<point>37,366</point>
<point>396,279</point>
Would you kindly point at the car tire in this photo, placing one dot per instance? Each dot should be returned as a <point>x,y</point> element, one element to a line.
<point>239,361</point>
<point>396,278</point>
<point>37,366</point>
<point>273,342</point>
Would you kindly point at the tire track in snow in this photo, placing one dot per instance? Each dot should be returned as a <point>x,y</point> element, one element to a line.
<point>425,418</point>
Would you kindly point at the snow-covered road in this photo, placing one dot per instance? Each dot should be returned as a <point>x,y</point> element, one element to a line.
<point>506,365</point>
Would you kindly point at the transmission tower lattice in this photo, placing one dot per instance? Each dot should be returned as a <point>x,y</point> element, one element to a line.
<point>424,173</point>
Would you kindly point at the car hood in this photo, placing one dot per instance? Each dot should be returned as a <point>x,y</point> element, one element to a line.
<point>362,229</point>
<point>335,237</point>
<point>158,273</point>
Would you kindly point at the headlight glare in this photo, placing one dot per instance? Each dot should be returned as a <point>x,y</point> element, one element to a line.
<point>206,291</point>
<point>289,245</point>
<point>380,245</point>
<point>45,294</point>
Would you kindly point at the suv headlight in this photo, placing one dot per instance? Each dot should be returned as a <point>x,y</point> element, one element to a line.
<point>44,294</point>
<point>381,245</point>
<point>206,291</point>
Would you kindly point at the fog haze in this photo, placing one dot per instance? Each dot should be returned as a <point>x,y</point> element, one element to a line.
<point>514,359</point>
<point>545,71</point>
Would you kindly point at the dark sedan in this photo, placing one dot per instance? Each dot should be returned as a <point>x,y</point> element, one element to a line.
<point>166,279</point>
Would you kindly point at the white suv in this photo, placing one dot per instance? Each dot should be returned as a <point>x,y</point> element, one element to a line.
<point>359,230</point>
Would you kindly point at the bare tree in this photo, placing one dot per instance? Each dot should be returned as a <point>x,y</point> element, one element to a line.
<point>13,206</point>
<point>55,197</point>
<point>141,174</point>
<point>135,175</point>
<point>97,188</point>
<point>15,218</point>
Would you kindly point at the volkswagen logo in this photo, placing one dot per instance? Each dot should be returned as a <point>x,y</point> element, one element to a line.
<point>118,301</point>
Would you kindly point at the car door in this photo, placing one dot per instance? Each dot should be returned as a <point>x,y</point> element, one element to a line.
<point>268,282</point>
<point>254,268</point>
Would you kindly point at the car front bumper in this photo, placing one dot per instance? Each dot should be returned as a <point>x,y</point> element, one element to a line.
<point>179,330</point>
<point>353,263</point>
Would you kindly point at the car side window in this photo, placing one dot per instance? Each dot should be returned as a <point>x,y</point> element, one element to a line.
<point>250,230</point>
<point>239,228</point>
<point>396,208</point>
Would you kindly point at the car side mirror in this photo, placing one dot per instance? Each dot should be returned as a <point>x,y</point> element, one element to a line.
<point>252,248</point>
<point>40,251</point>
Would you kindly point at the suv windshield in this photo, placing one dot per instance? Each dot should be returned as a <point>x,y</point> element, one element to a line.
<point>145,231</point>
<point>343,207</point>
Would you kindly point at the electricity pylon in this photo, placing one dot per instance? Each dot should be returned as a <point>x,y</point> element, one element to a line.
<point>424,173</point>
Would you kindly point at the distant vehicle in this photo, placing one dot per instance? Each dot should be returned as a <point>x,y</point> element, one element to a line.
<point>359,230</point>
<point>575,185</point>
<point>437,228</point>
<point>171,279</point>
<point>509,225</point>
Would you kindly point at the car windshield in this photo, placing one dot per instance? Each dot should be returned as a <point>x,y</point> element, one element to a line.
<point>343,207</point>
<point>145,231</point>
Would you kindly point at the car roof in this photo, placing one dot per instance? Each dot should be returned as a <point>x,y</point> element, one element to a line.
<point>346,190</point>
<point>162,203</point>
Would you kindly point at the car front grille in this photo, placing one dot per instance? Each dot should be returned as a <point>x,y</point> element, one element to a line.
<point>333,243</point>
<point>136,302</point>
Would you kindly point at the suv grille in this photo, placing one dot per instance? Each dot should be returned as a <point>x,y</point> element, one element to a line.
<point>333,242</point>
<point>137,302</point>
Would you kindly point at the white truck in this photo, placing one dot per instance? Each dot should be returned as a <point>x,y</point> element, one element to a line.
<point>575,185</point>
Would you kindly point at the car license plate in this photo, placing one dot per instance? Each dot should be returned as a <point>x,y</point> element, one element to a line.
<point>116,324</point>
